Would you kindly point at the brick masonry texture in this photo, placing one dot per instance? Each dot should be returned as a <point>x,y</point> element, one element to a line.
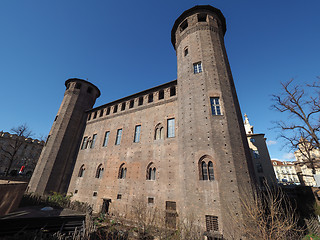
<point>199,136</point>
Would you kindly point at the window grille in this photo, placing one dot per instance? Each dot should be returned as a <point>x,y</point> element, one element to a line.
<point>215,106</point>
<point>197,67</point>
<point>212,223</point>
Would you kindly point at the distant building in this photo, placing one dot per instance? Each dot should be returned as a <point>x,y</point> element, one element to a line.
<point>285,172</point>
<point>263,169</point>
<point>308,165</point>
<point>26,157</point>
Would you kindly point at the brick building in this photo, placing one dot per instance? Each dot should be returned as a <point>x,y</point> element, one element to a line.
<point>179,147</point>
<point>27,153</point>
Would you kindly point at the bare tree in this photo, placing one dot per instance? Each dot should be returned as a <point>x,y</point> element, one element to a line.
<point>11,149</point>
<point>302,124</point>
<point>268,215</point>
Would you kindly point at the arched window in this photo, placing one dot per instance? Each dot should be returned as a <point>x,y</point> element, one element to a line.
<point>206,169</point>
<point>122,171</point>
<point>151,172</point>
<point>99,172</point>
<point>211,171</point>
<point>81,171</point>
<point>158,133</point>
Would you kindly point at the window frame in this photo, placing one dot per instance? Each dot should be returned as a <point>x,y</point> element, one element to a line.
<point>215,104</point>
<point>118,136</point>
<point>106,139</point>
<point>171,128</point>
<point>137,133</point>
<point>197,67</point>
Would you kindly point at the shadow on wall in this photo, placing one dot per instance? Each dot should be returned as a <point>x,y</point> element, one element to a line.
<point>11,193</point>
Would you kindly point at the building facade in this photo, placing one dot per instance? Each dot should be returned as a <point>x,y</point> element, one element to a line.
<point>23,152</point>
<point>179,147</point>
<point>264,172</point>
<point>308,164</point>
<point>285,172</point>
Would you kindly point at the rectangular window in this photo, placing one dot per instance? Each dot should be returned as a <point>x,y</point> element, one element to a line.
<point>84,143</point>
<point>140,101</point>
<point>197,67</point>
<point>137,133</point>
<point>256,154</point>
<point>106,138</point>
<point>119,196</point>
<point>172,91</point>
<point>89,116</point>
<point>215,106</point>
<point>161,94</point>
<point>115,108</point>
<point>170,125</point>
<point>118,138</point>
<point>171,206</point>
<point>123,106</point>
<point>150,200</point>
<point>101,113</point>
<point>108,111</point>
<point>95,115</point>
<point>131,104</point>
<point>150,98</point>
<point>212,223</point>
<point>93,140</point>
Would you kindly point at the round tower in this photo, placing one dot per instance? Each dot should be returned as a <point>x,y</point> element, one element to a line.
<point>215,166</point>
<point>55,165</point>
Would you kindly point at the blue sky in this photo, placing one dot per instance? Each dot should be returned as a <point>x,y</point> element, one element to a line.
<point>124,47</point>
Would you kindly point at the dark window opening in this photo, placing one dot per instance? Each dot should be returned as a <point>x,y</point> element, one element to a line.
<point>172,91</point>
<point>115,108</point>
<point>108,111</point>
<point>101,113</point>
<point>95,115</point>
<point>161,94</point>
<point>140,101</point>
<point>150,98</point>
<point>212,223</point>
<point>131,104</point>
<point>99,172</point>
<point>123,106</point>
<point>186,51</point>
<point>202,17</point>
<point>89,90</point>
<point>89,116</point>
<point>119,196</point>
<point>171,205</point>
<point>150,200</point>
<point>78,85</point>
<point>95,194</point>
<point>55,119</point>
<point>183,25</point>
<point>68,85</point>
<point>81,171</point>
<point>84,143</point>
<point>75,191</point>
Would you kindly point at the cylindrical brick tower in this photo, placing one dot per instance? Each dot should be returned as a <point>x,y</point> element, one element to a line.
<point>55,165</point>
<point>214,163</point>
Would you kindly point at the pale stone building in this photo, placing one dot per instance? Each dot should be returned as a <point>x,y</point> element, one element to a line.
<point>263,169</point>
<point>306,156</point>
<point>285,172</point>
<point>180,147</point>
